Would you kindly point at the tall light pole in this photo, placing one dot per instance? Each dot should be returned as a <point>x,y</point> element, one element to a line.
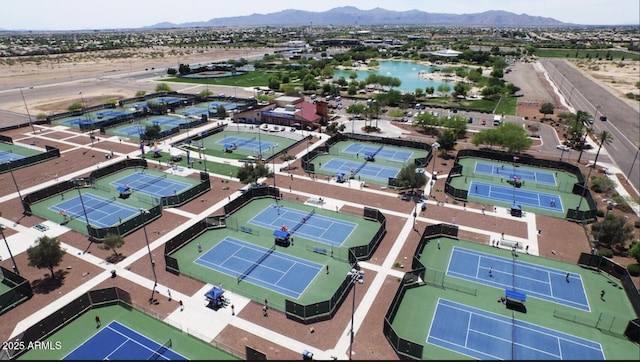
<point>153,264</point>
<point>632,164</point>
<point>15,266</point>
<point>357,277</point>
<point>27,109</point>
<point>14,180</point>
<point>515,178</point>
<point>259,123</point>
<point>595,116</point>
<point>434,150</point>
<point>76,182</point>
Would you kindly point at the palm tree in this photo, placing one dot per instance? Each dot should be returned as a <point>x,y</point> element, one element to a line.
<point>602,138</point>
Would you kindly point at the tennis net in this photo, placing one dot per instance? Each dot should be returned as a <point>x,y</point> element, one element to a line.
<point>100,204</point>
<point>378,150</point>
<point>158,354</point>
<point>154,179</point>
<point>304,219</point>
<point>240,144</point>
<point>256,263</point>
<point>360,167</point>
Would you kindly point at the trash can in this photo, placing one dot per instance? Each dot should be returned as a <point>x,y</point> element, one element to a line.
<point>113,273</point>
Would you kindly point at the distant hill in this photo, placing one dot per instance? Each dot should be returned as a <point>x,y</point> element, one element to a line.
<point>349,15</point>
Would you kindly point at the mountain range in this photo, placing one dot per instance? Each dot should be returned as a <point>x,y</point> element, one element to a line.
<point>349,15</point>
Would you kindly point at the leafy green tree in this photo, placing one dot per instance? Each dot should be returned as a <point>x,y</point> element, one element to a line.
<point>614,231</point>
<point>112,242</point>
<point>444,88</point>
<point>152,131</point>
<point>204,94</point>
<point>447,141</point>
<point>461,89</point>
<point>250,173</point>
<point>355,108</point>
<point>456,123</point>
<point>221,111</point>
<point>184,69</point>
<point>427,121</point>
<point>46,253</point>
<point>409,178</point>
<point>140,93</point>
<point>335,127</point>
<point>418,93</point>
<point>634,251</point>
<point>514,138</point>
<point>327,72</point>
<point>546,108</point>
<point>429,90</point>
<point>273,82</point>
<point>603,184</point>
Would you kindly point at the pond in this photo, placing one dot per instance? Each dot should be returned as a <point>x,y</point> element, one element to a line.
<point>406,71</point>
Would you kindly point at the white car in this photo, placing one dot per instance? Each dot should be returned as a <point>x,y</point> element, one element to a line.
<point>563,147</point>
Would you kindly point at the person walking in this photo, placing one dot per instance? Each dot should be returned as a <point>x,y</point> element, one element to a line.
<point>490,272</point>
<point>602,294</point>
<point>438,244</point>
<point>181,305</point>
<point>327,268</point>
<point>566,277</point>
<point>169,294</point>
<point>233,310</point>
<point>99,323</point>
<point>264,310</point>
<point>199,247</point>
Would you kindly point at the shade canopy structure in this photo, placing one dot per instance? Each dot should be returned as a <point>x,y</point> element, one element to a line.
<point>214,293</point>
<point>281,234</point>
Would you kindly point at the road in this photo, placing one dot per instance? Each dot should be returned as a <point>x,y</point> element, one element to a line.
<point>584,94</point>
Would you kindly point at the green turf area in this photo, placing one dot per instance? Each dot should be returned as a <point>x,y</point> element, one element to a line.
<point>19,150</point>
<point>213,148</point>
<point>336,151</point>
<point>222,169</point>
<point>251,79</point>
<point>5,285</point>
<point>564,179</point>
<point>104,189</point>
<point>322,287</point>
<point>415,313</point>
<point>75,333</point>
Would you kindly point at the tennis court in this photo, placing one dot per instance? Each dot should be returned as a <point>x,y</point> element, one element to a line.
<point>316,227</point>
<point>119,342</point>
<point>264,267</point>
<point>101,212</point>
<point>489,336</point>
<point>77,121</point>
<point>537,281</point>
<point>9,156</point>
<point>366,169</point>
<point>380,152</point>
<point>509,171</point>
<point>151,184</point>
<point>109,113</point>
<point>541,200</point>
<point>253,144</point>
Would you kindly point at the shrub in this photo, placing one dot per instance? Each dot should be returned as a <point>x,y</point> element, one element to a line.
<point>599,213</point>
<point>607,253</point>
<point>634,269</point>
<point>637,224</point>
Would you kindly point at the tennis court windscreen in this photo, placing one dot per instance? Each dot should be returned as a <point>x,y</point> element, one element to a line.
<point>256,263</point>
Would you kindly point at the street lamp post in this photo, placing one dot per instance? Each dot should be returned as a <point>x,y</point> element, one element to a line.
<point>14,179</point>
<point>357,277</point>
<point>15,266</point>
<point>610,206</point>
<point>27,109</point>
<point>632,164</point>
<point>434,148</point>
<point>153,264</point>
<point>595,116</point>
<point>515,178</point>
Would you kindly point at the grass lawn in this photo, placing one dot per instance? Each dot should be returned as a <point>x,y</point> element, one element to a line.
<point>582,54</point>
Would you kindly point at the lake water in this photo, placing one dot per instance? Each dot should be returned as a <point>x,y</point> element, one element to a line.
<point>407,72</point>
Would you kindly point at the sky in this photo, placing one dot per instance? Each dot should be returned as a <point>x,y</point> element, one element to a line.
<point>114,14</point>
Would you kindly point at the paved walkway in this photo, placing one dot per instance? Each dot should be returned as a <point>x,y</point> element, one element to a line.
<point>195,311</point>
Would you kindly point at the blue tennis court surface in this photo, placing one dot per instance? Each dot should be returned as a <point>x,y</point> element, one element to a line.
<point>153,185</point>
<point>541,200</point>
<point>101,212</point>
<point>385,153</point>
<point>535,280</point>
<point>76,121</point>
<point>253,144</point>
<point>9,156</point>
<point>320,228</point>
<point>367,169</point>
<point>508,171</point>
<point>490,336</point>
<point>119,342</point>
<point>279,272</point>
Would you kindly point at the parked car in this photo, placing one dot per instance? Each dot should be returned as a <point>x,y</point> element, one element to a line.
<point>563,147</point>
<point>483,122</point>
<point>470,120</point>
<point>590,121</point>
<point>603,118</point>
